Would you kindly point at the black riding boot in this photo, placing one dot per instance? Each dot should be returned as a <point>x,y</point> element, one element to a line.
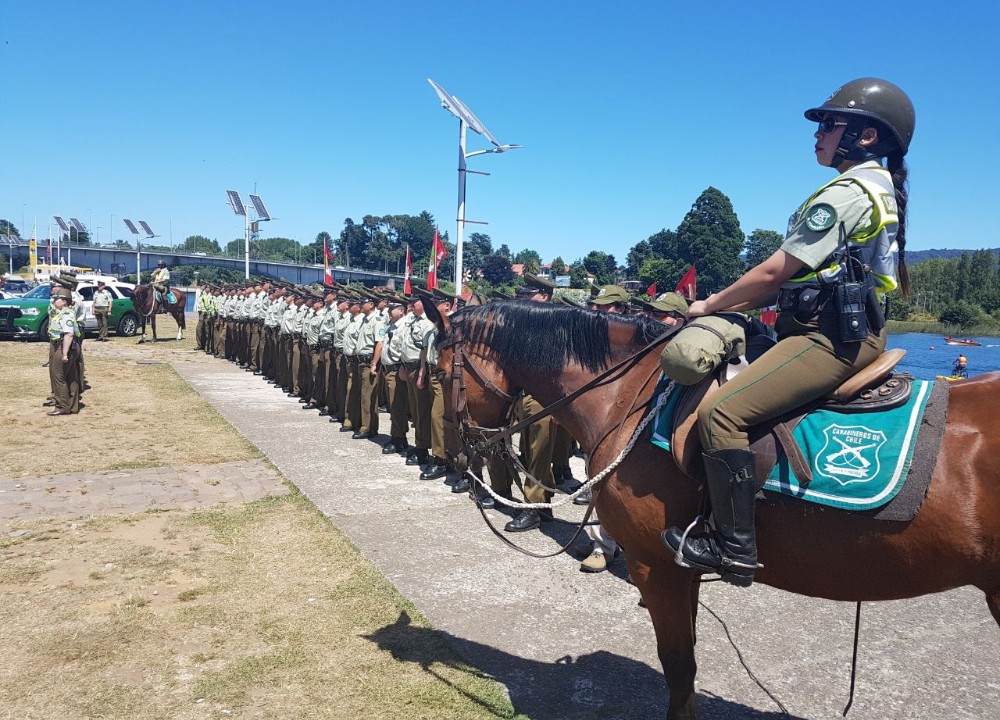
<point>730,550</point>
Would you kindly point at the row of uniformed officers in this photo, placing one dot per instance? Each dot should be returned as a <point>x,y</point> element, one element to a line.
<point>347,352</point>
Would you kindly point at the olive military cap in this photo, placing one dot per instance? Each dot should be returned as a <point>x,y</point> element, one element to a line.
<point>534,284</point>
<point>609,294</point>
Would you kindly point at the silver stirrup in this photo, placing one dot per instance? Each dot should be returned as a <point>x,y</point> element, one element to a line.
<point>678,556</point>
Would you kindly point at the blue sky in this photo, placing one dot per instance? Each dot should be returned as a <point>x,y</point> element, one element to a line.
<point>627,112</point>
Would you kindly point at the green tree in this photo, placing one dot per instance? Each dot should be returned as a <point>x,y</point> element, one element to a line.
<point>496,270</point>
<point>664,245</point>
<point>200,243</point>
<point>664,272</point>
<point>504,252</point>
<point>640,253</point>
<point>961,313</point>
<point>477,248</point>
<point>603,266</point>
<point>558,266</point>
<point>710,236</point>
<point>578,277</point>
<point>531,260</point>
<point>7,228</point>
<point>761,244</point>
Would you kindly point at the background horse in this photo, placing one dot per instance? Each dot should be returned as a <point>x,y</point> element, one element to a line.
<point>550,351</point>
<point>144,299</point>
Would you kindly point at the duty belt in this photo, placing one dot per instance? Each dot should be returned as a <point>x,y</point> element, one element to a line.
<point>364,358</point>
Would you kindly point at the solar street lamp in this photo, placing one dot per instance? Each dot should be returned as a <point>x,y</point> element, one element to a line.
<point>262,215</point>
<point>63,228</point>
<point>466,120</point>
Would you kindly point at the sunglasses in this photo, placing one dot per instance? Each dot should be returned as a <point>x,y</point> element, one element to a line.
<point>827,125</point>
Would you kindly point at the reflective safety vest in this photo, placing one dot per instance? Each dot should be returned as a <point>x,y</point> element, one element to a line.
<point>877,239</point>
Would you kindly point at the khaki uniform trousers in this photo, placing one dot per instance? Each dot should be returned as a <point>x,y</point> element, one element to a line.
<point>343,376</point>
<point>295,366</point>
<point>437,415</point>
<point>331,380</point>
<point>562,447</point>
<point>536,455</point>
<point>267,352</point>
<point>352,418</point>
<point>220,338</point>
<point>808,362</point>
<point>102,322</point>
<point>305,369</point>
<point>419,400</point>
<point>317,383</point>
<point>255,344</point>
<point>398,403</point>
<point>199,332</point>
<point>64,378</point>
<point>369,398</point>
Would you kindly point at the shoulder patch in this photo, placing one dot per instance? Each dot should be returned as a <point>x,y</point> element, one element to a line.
<point>820,216</point>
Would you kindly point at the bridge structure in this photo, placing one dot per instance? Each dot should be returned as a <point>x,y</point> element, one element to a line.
<point>118,261</point>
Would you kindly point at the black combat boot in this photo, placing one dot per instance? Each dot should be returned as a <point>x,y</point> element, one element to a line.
<point>730,550</point>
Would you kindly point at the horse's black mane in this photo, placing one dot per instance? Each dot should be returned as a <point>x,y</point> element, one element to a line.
<point>544,337</point>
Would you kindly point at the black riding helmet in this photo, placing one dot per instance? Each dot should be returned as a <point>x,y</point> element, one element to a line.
<point>865,100</point>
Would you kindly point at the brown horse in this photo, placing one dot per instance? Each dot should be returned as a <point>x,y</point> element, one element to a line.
<point>146,303</point>
<point>550,351</point>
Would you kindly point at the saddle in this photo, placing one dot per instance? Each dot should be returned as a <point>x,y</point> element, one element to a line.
<point>872,389</point>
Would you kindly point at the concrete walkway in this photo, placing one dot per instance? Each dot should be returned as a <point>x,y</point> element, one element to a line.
<point>572,646</point>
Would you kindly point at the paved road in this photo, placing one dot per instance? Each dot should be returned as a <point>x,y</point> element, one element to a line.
<point>573,646</point>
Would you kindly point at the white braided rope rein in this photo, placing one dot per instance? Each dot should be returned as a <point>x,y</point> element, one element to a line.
<point>590,482</point>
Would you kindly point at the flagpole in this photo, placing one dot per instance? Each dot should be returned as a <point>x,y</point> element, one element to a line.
<point>459,237</point>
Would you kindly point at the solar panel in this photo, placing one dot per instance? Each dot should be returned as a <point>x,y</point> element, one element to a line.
<point>131,226</point>
<point>475,123</point>
<point>236,202</point>
<point>445,98</point>
<point>77,225</point>
<point>258,205</point>
<point>148,230</point>
<point>62,224</point>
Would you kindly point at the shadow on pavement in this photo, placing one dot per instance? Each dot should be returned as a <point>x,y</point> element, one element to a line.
<point>599,685</point>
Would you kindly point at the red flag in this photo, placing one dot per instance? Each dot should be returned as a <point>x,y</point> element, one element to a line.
<point>407,288</point>
<point>327,257</point>
<point>688,286</point>
<point>651,290</point>
<point>438,253</point>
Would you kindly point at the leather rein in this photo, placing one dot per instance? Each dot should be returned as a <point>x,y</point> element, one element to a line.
<point>479,441</point>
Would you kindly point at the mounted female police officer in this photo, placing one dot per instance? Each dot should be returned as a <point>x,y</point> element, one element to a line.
<point>838,254</point>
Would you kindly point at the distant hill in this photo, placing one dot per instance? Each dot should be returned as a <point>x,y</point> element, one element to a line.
<point>918,256</point>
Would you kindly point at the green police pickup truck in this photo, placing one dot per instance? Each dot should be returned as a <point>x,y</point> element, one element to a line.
<point>28,316</point>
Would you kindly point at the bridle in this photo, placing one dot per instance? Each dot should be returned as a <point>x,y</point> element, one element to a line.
<point>480,441</point>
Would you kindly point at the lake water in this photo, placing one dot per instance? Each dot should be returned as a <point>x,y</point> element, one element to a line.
<point>927,355</point>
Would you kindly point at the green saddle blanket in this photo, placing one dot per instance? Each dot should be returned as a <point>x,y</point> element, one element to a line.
<point>859,461</point>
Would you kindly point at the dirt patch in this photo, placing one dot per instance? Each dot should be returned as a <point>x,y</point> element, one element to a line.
<point>135,415</point>
<point>264,610</point>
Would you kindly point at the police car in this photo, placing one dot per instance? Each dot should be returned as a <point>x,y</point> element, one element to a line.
<point>27,317</point>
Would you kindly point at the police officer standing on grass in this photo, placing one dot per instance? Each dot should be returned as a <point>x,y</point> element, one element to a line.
<point>102,310</point>
<point>63,348</point>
